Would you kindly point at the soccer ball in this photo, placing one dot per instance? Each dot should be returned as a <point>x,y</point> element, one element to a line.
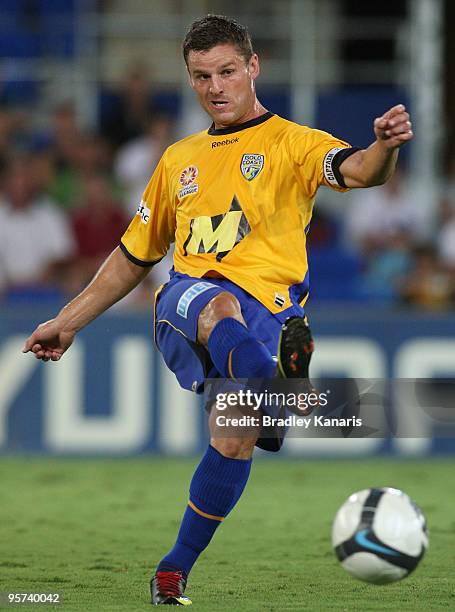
<point>379,535</point>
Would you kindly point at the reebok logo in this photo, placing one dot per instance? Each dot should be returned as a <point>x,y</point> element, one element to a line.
<point>223,143</point>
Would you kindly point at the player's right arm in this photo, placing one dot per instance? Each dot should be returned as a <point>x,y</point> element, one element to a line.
<point>145,242</point>
<point>115,279</point>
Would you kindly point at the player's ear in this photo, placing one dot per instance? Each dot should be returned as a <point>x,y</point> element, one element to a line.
<point>190,80</point>
<point>253,66</point>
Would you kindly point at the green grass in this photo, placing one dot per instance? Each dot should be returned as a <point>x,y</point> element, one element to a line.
<point>94,529</point>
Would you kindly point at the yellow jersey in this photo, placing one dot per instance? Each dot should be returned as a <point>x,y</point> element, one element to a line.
<point>238,204</point>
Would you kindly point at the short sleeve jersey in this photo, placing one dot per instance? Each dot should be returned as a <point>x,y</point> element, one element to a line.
<point>238,204</point>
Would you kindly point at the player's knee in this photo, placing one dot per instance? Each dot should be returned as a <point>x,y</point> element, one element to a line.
<point>223,305</point>
<point>234,448</point>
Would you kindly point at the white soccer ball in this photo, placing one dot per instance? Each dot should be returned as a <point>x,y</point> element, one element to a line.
<point>379,535</point>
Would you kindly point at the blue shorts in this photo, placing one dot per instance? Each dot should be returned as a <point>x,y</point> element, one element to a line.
<point>177,310</point>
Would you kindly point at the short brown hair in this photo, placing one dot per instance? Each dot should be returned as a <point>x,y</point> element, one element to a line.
<point>212,30</point>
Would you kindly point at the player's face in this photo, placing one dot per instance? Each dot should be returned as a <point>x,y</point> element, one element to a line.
<point>224,84</point>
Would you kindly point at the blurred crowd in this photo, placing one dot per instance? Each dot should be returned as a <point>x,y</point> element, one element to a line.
<point>67,195</point>
<point>400,263</point>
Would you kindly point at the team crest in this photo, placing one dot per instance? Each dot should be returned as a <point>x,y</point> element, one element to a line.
<point>251,165</point>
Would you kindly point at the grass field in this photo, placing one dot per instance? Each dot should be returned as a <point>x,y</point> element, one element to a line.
<point>93,530</point>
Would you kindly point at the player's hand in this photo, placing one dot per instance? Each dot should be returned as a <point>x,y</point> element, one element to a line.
<point>394,128</point>
<point>49,341</point>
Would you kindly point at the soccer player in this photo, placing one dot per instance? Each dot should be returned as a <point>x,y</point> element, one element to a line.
<point>237,200</point>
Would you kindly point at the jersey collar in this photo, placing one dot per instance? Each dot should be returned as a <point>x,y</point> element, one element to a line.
<point>242,126</point>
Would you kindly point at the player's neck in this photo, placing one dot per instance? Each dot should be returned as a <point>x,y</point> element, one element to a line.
<point>253,113</point>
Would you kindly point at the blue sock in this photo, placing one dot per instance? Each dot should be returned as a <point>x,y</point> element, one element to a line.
<point>236,353</point>
<point>216,487</point>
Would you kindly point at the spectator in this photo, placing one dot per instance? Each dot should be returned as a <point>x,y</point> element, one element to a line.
<point>64,134</point>
<point>428,285</point>
<point>386,269</point>
<point>446,239</point>
<point>136,160</point>
<point>13,125</point>
<point>61,136</point>
<point>89,155</point>
<point>125,118</point>
<point>376,215</point>
<point>35,239</point>
<point>43,171</point>
<point>449,191</point>
<point>98,226</point>
<point>323,231</point>
<point>72,153</point>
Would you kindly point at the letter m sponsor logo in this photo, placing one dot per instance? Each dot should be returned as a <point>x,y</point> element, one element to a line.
<point>218,234</point>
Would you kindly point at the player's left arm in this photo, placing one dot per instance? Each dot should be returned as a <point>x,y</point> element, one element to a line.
<point>375,165</point>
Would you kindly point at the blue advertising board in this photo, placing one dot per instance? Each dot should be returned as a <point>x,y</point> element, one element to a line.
<point>112,394</point>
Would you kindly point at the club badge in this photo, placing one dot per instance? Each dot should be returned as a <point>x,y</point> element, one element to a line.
<point>251,165</point>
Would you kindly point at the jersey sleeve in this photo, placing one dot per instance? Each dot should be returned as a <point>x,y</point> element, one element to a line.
<point>151,232</point>
<point>317,156</point>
